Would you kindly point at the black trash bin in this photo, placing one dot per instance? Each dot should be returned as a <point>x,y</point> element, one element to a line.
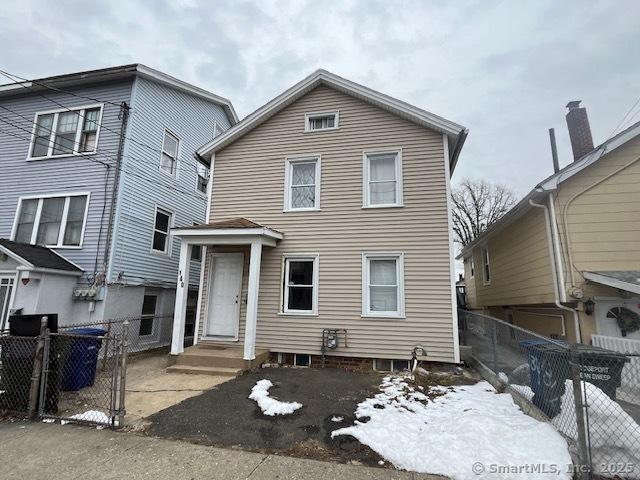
<point>18,354</point>
<point>550,367</point>
<point>80,365</point>
<point>18,351</point>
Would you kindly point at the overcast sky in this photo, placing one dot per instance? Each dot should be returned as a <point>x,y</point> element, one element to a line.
<point>505,70</point>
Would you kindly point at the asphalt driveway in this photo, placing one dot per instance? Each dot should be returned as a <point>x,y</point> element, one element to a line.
<point>224,416</point>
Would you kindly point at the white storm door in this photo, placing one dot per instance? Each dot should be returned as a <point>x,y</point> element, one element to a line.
<point>223,312</point>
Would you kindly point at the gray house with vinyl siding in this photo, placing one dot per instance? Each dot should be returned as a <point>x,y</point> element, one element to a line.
<point>98,166</point>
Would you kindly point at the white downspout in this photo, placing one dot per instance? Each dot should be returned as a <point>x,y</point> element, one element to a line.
<point>554,272</point>
<point>556,246</point>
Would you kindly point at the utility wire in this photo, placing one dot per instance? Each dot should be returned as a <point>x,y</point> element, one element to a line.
<point>625,117</point>
<point>121,168</point>
<point>35,82</point>
<point>22,81</point>
<point>28,121</point>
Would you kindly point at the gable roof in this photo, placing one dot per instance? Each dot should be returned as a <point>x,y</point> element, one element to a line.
<point>552,182</point>
<point>456,133</point>
<point>37,257</point>
<point>114,74</point>
<point>232,223</point>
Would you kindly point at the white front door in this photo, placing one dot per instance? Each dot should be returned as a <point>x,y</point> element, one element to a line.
<point>225,286</point>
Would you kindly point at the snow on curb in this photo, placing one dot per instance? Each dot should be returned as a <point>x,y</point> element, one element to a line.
<point>449,433</point>
<point>271,406</point>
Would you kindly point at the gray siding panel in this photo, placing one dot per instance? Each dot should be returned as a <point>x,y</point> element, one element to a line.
<point>154,108</point>
<point>19,177</point>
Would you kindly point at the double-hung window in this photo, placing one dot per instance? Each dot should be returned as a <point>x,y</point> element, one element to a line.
<point>66,132</point>
<point>383,285</point>
<point>169,157</point>
<point>472,268</point>
<point>382,178</point>
<point>203,178</point>
<point>486,267</point>
<point>314,122</point>
<point>54,221</point>
<point>160,242</point>
<point>302,184</point>
<point>147,315</point>
<point>301,284</point>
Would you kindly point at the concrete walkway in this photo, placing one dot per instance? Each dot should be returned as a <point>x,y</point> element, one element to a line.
<point>51,451</point>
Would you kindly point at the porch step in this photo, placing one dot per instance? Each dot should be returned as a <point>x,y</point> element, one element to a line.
<point>214,371</point>
<point>223,358</point>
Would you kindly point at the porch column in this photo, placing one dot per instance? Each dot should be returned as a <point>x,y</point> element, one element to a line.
<point>252,301</point>
<point>182,288</point>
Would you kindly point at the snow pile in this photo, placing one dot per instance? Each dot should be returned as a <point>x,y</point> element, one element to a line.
<point>91,416</point>
<point>271,406</point>
<point>337,419</point>
<point>458,428</point>
<point>614,435</point>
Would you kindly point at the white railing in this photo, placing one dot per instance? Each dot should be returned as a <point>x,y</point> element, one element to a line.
<point>630,386</point>
<point>617,344</point>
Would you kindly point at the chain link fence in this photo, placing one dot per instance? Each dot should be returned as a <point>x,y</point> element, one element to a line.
<point>583,390</point>
<point>17,361</point>
<point>77,374</point>
<point>145,333</point>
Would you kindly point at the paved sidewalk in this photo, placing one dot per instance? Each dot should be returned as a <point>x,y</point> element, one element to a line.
<point>48,451</point>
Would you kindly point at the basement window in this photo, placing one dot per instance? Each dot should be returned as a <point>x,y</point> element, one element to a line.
<point>387,365</point>
<point>321,121</point>
<point>302,360</point>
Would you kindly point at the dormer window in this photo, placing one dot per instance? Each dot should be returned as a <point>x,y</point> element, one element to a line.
<point>321,121</point>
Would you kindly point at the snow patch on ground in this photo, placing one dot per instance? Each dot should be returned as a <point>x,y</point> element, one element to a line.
<point>337,419</point>
<point>271,406</point>
<point>90,416</point>
<point>524,390</point>
<point>458,427</point>
<point>503,377</point>
<point>614,435</point>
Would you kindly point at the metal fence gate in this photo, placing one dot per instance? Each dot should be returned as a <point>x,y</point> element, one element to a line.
<point>72,376</point>
<point>82,379</point>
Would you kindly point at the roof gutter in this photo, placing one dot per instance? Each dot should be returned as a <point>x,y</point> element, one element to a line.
<point>455,153</point>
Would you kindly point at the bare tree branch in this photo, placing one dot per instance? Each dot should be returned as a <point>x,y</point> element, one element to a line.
<point>477,204</point>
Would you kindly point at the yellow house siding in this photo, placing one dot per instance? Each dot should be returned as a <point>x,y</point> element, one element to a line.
<point>604,221</point>
<point>248,181</point>
<point>519,261</point>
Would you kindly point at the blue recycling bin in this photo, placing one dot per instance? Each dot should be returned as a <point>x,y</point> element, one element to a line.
<point>535,362</point>
<point>80,366</point>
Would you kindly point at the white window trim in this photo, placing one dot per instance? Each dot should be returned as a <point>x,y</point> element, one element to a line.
<point>309,115</point>
<point>81,110</point>
<point>289,162</point>
<point>485,266</point>
<point>366,203</point>
<point>287,257</point>
<point>198,191</point>
<point>295,360</point>
<point>162,152</point>
<point>391,361</point>
<point>63,220</point>
<point>399,257</point>
<point>167,251</point>
<point>472,267</point>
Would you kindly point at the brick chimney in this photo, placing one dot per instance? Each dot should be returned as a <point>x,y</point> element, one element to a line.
<point>579,129</point>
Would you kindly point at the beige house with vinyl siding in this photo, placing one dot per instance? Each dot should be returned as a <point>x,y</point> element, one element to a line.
<point>565,261</point>
<point>329,211</point>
